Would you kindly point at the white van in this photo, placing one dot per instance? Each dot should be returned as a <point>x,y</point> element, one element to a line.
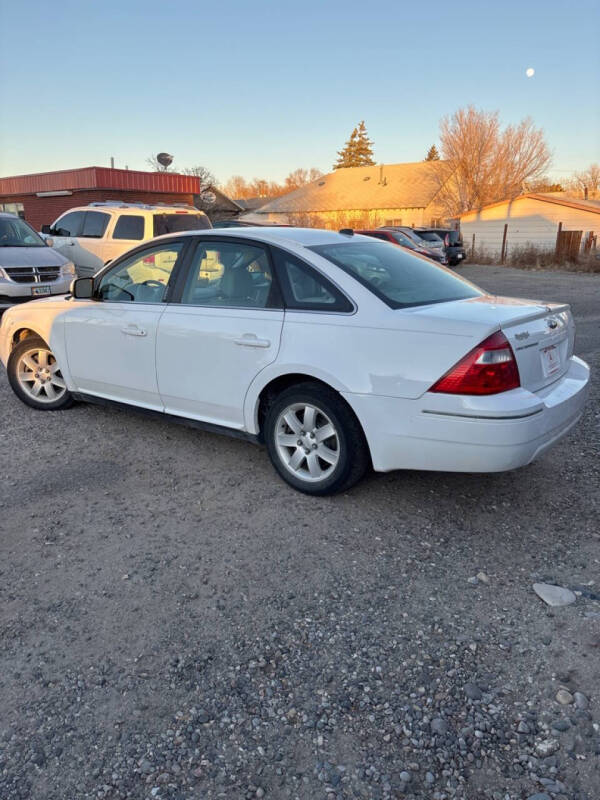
<point>94,235</point>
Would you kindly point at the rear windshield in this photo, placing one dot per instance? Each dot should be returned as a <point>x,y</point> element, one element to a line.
<point>174,223</point>
<point>430,237</point>
<point>396,276</point>
<point>454,237</point>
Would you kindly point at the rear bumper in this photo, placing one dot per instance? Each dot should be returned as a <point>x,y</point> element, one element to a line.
<point>488,434</point>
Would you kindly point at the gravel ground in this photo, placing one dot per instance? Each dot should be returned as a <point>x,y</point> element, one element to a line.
<point>177,623</point>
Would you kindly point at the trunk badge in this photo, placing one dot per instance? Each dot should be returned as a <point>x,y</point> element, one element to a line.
<point>552,323</point>
<point>523,335</point>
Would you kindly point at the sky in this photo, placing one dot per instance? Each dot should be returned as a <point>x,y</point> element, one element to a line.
<point>260,88</point>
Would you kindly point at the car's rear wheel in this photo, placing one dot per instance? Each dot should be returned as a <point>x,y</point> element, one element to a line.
<point>314,440</point>
<point>35,376</point>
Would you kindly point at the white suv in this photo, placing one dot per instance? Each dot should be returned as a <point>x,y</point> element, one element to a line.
<point>94,235</point>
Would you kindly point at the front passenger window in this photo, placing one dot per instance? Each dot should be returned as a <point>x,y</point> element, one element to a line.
<point>69,224</point>
<point>141,278</point>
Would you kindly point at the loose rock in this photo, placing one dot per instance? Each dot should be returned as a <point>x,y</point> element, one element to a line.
<point>554,595</point>
<point>564,697</point>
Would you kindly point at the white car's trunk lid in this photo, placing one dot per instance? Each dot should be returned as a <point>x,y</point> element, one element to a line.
<point>541,334</point>
<point>542,343</point>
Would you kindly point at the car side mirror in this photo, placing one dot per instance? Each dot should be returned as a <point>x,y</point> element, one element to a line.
<point>82,288</point>
<point>46,229</point>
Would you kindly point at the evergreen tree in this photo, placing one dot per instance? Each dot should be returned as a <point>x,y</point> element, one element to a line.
<point>358,150</point>
<point>432,154</point>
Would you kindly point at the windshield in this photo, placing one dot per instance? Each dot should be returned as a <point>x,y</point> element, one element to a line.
<point>398,278</point>
<point>14,232</point>
<point>174,223</point>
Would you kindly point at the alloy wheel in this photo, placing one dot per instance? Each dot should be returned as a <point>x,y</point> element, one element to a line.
<point>307,442</point>
<point>39,375</point>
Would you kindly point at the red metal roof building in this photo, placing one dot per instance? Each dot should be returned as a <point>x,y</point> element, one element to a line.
<point>42,197</point>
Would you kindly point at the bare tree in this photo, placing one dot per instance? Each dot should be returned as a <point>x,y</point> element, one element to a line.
<point>205,197</point>
<point>236,186</point>
<point>300,177</point>
<point>483,163</point>
<point>543,184</point>
<point>587,179</point>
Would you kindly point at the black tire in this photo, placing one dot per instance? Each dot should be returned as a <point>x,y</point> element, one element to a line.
<point>350,444</point>
<point>31,343</point>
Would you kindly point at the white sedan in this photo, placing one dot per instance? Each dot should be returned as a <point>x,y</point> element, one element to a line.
<point>337,351</point>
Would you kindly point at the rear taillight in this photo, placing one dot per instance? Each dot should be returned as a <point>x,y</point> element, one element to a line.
<point>488,369</point>
<point>447,240</point>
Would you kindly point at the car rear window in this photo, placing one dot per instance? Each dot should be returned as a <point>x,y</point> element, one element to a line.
<point>454,237</point>
<point>429,236</point>
<point>396,276</point>
<point>174,223</point>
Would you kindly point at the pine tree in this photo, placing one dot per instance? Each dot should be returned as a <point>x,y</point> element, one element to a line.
<point>358,150</point>
<point>432,154</point>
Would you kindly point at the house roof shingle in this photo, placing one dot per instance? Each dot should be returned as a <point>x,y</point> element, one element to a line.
<point>362,188</point>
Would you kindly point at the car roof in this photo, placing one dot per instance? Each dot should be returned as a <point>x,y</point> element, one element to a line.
<point>307,237</point>
<point>117,206</point>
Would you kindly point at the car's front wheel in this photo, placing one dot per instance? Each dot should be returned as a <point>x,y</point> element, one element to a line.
<point>314,440</point>
<point>35,376</point>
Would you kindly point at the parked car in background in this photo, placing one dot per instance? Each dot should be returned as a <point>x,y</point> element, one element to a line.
<point>29,267</point>
<point>399,238</point>
<point>94,235</point>
<point>335,350</point>
<point>234,223</point>
<point>434,243</point>
<point>242,223</point>
<point>452,239</point>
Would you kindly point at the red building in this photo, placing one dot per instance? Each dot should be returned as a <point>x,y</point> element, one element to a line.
<point>42,197</point>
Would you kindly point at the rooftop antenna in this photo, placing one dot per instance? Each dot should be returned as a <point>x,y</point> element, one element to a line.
<point>112,162</point>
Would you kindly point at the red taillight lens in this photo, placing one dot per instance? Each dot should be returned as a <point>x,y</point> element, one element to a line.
<point>488,369</point>
<point>447,240</point>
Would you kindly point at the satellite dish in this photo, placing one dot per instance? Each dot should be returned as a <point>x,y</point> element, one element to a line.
<point>164,159</point>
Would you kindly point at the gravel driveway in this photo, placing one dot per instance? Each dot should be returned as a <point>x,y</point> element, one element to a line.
<point>177,623</point>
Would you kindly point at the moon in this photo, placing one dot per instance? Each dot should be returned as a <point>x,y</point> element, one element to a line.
<point>530,72</point>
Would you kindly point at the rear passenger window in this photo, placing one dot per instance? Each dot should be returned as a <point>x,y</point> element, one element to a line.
<point>129,227</point>
<point>305,289</point>
<point>94,224</point>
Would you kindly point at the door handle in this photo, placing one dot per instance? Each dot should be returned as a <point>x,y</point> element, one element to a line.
<point>251,340</point>
<point>133,330</point>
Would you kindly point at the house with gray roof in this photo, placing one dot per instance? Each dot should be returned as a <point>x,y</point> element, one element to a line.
<point>360,197</point>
